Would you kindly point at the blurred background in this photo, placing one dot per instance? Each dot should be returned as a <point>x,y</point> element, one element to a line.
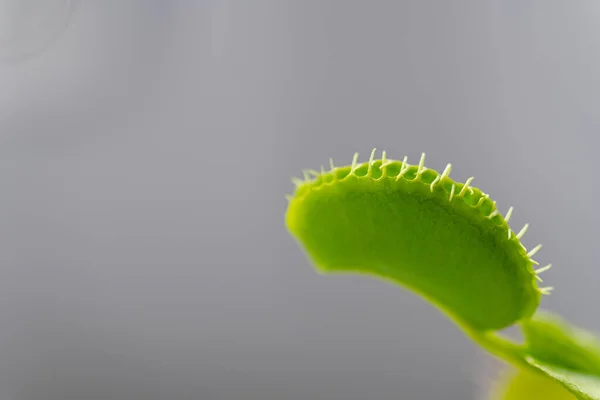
<point>146,147</point>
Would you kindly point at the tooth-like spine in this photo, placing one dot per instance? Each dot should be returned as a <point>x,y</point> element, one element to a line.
<point>534,250</point>
<point>451,192</point>
<point>493,213</point>
<point>421,168</point>
<point>482,199</point>
<point>546,290</point>
<point>385,161</point>
<point>331,164</point>
<point>537,272</point>
<point>543,269</point>
<point>297,181</point>
<point>508,214</point>
<point>446,173</point>
<point>289,197</point>
<point>371,160</point>
<point>384,164</point>
<point>404,168</point>
<point>308,172</point>
<point>354,163</point>
<point>436,180</point>
<point>522,231</point>
<point>466,186</point>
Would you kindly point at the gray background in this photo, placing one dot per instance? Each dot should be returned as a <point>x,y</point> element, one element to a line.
<point>145,155</point>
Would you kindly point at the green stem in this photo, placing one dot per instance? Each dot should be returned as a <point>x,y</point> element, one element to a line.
<point>500,346</point>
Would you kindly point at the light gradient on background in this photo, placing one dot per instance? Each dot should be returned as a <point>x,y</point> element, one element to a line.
<point>145,155</point>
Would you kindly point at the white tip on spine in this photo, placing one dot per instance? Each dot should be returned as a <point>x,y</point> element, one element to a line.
<point>372,157</point>
<point>534,250</point>
<point>354,162</point>
<point>508,214</point>
<point>331,164</point>
<point>543,269</point>
<point>371,160</point>
<point>384,163</point>
<point>522,231</point>
<point>404,168</point>
<point>547,290</point>
<point>452,192</point>
<point>421,167</point>
<point>466,186</point>
<point>446,173</point>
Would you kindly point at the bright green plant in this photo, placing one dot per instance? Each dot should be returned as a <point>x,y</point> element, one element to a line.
<point>446,242</point>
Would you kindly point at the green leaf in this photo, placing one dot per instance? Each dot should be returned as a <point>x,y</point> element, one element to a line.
<point>552,340</point>
<point>527,385</point>
<point>583,386</point>
<point>411,225</point>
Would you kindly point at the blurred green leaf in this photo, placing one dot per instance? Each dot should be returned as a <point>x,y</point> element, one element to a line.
<point>527,385</point>
<point>552,340</point>
<point>583,386</point>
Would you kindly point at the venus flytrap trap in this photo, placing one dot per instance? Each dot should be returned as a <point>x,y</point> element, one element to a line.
<point>447,242</point>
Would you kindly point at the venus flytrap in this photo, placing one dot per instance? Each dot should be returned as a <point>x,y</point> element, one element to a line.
<point>447,242</point>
